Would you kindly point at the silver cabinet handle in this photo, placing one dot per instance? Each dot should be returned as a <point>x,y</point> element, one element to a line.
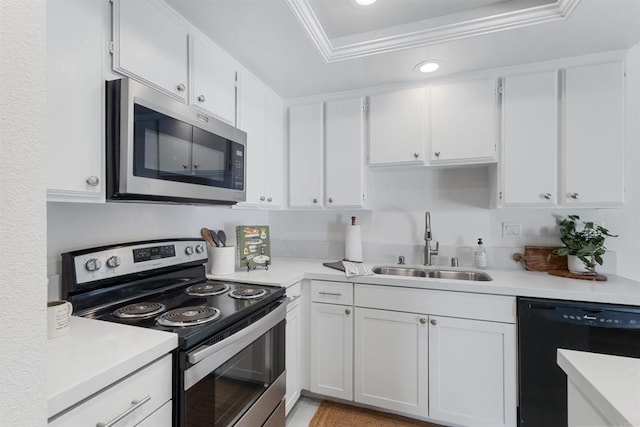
<point>181,87</point>
<point>201,98</point>
<point>136,404</point>
<point>416,155</point>
<point>423,320</point>
<point>315,200</point>
<point>434,322</point>
<point>93,180</point>
<point>334,294</point>
<point>437,154</point>
<point>262,198</point>
<point>292,299</point>
<point>347,311</point>
<point>575,196</point>
<point>330,199</point>
<point>547,196</point>
<point>269,199</point>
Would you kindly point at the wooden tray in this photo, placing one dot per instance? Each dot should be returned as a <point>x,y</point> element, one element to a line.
<point>566,273</point>
<point>536,258</point>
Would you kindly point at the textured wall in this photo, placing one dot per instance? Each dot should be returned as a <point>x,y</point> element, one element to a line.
<point>22,213</point>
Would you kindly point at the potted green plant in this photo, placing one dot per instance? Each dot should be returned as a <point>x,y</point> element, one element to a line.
<point>583,246</point>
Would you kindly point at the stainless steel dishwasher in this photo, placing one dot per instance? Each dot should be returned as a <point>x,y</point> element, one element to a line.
<point>544,326</point>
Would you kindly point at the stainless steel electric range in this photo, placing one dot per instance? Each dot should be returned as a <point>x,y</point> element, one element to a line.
<point>229,366</point>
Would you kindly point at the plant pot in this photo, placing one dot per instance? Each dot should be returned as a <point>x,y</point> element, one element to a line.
<point>576,266</point>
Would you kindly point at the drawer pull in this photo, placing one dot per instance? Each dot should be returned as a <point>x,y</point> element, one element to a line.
<point>136,404</point>
<point>294,298</point>
<point>334,294</point>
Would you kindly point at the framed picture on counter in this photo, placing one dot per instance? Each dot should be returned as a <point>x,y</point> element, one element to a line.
<point>253,244</point>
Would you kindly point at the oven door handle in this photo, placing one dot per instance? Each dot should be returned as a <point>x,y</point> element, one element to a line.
<point>206,359</point>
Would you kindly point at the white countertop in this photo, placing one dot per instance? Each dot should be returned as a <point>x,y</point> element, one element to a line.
<point>94,354</point>
<point>516,282</point>
<point>610,383</point>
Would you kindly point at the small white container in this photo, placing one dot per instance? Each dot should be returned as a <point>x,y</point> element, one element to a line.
<point>222,260</point>
<point>58,318</point>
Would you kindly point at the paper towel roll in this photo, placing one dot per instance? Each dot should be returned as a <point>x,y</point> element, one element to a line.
<point>353,244</point>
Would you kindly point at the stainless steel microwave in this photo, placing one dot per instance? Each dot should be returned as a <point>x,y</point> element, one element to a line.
<point>160,149</point>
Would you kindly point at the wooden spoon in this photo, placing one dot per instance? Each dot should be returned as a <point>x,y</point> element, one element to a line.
<point>208,236</point>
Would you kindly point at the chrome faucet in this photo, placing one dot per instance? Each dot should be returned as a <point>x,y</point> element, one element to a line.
<point>428,252</point>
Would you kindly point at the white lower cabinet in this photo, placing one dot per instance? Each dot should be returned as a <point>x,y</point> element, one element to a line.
<point>331,337</point>
<point>472,372</point>
<point>141,399</point>
<point>294,348</point>
<point>390,360</point>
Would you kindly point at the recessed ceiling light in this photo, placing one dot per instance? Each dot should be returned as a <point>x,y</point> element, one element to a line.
<point>365,2</point>
<point>428,66</point>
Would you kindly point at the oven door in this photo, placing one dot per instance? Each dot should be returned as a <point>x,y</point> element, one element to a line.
<point>239,381</point>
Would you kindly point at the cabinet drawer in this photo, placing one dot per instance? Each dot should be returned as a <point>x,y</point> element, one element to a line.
<point>149,387</point>
<point>497,308</point>
<point>332,292</point>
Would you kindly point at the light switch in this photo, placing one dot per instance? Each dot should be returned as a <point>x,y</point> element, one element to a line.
<point>511,229</point>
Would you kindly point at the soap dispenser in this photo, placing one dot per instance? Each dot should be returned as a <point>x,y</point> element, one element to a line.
<point>480,255</point>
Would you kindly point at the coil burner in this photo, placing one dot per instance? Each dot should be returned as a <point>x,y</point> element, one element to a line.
<point>140,310</point>
<point>207,289</point>
<point>247,292</point>
<point>189,316</point>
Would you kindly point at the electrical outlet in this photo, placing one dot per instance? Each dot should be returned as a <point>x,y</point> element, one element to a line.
<point>511,229</point>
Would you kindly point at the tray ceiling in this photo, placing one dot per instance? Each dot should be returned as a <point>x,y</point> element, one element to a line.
<point>307,47</point>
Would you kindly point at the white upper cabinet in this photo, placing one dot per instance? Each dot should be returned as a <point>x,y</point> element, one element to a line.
<point>75,99</point>
<point>260,115</point>
<point>594,136</point>
<point>463,123</point>
<point>344,153</point>
<point>213,80</point>
<point>151,45</point>
<point>397,126</point>
<point>529,166</point>
<point>306,137</point>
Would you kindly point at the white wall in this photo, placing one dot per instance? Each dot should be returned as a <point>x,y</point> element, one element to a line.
<point>22,213</point>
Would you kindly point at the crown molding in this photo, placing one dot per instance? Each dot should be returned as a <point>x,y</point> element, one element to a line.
<point>407,36</point>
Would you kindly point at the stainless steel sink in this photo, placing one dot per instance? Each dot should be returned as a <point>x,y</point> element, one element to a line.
<point>400,271</point>
<point>475,276</point>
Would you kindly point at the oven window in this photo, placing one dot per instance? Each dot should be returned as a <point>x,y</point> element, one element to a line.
<point>169,149</point>
<point>223,397</point>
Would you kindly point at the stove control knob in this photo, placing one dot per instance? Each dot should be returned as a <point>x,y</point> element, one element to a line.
<point>199,249</point>
<point>113,261</point>
<point>188,250</point>
<point>93,264</point>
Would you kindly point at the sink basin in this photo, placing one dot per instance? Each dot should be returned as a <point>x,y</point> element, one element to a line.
<point>400,271</point>
<point>475,276</point>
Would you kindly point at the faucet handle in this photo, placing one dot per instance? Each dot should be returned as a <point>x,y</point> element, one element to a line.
<point>435,251</point>
<point>400,260</point>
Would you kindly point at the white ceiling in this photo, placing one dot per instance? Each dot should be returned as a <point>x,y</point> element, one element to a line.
<point>307,47</point>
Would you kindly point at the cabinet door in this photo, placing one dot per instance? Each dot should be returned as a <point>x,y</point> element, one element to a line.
<point>75,99</point>
<point>293,355</point>
<point>391,361</point>
<point>344,153</point>
<point>397,127</point>
<point>151,45</point>
<point>463,122</point>
<point>214,80</point>
<point>594,136</point>
<point>306,138</point>
<point>530,140</point>
<point>252,120</point>
<point>274,155</point>
<point>472,372</point>
<point>332,350</point>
